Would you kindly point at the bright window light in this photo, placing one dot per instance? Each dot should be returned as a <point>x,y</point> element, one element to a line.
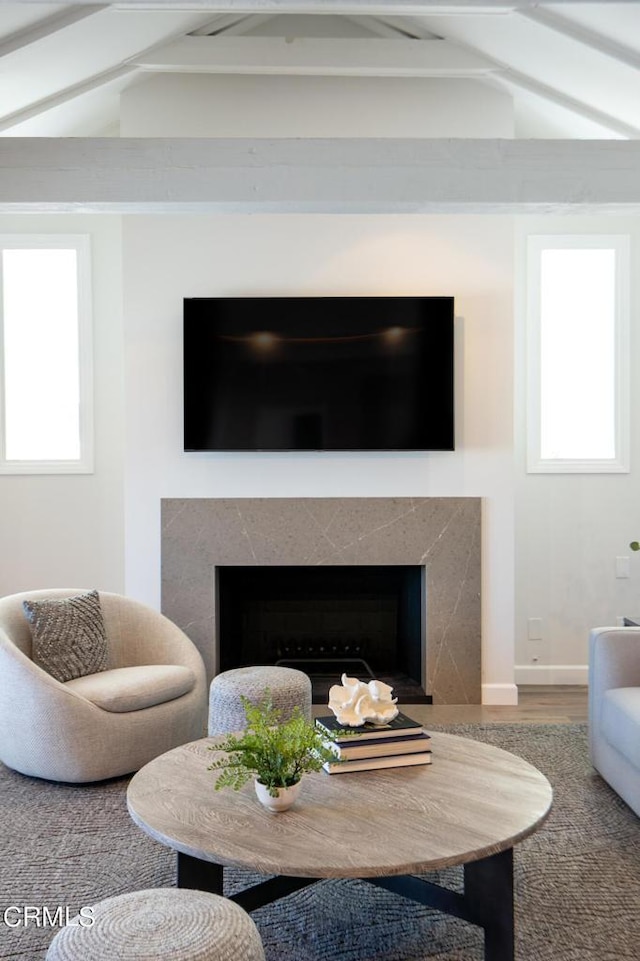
<point>45,355</point>
<point>578,363</point>
<point>577,354</point>
<point>41,371</point>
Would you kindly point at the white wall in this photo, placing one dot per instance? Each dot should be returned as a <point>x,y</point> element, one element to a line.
<point>169,258</point>
<point>263,106</point>
<point>570,528</point>
<point>67,531</point>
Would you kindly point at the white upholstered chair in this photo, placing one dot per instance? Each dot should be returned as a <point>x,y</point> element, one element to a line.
<point>106,724</point>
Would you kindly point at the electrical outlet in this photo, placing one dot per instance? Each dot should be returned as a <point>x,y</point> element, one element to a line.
<point>622,567</point>
<point>534,628</point>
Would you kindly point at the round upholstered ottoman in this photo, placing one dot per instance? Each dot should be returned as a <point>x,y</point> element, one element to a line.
<point>163,923</point>
<point>288,688</point>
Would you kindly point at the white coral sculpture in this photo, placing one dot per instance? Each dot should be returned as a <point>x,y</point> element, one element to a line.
<point>354,703</point>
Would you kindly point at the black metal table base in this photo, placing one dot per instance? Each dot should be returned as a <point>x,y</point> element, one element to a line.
<point>487,900</point>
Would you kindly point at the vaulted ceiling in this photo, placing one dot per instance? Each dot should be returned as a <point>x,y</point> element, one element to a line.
<point>571,68</point>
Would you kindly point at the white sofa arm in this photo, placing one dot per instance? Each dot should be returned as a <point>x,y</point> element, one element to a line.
<point>614,658</point>
<point>614,661</point>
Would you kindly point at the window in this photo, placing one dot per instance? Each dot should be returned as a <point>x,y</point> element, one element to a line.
<point>46,356</point>
<point>578,356</point>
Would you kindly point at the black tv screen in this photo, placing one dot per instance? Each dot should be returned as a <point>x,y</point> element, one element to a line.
<point>318,373</point>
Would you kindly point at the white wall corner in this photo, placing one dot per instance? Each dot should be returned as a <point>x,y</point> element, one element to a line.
<point>552,674</point>
<point>499,694</point>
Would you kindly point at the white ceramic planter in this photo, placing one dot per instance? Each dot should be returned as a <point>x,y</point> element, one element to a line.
<point>285,798</point>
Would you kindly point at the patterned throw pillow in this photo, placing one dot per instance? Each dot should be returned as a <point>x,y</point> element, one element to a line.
<point>69,639</point>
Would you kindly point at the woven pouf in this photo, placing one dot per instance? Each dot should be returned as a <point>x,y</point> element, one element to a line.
<point>288,689</point>
<point>163,923</point>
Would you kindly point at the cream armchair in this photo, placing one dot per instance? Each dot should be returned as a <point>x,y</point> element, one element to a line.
<point>107,724</point>
<point>614,709</point>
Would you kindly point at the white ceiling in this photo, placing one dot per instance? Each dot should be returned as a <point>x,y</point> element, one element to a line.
<point>572,68</point>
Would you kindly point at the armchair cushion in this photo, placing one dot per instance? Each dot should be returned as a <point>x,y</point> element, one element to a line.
<point>620,724</point>
<point>69,637</point>
<point>134,688</point>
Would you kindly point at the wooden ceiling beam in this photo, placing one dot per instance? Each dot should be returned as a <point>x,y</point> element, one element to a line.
<point>575,106</point>
<point>416,8</point>
<point>316,56</point>
<point>319,176</point>
<point>584,36</point>
<point>230,25</point>
<point>47,27</point>
<point>38,107</point>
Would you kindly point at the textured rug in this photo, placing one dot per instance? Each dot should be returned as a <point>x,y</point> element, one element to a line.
<point>577,880</point>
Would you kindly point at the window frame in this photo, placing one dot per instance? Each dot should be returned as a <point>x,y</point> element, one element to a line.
<point>621,245</point>
<point>81,243</point>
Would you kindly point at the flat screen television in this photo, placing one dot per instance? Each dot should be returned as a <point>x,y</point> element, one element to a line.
<point>318,373</point>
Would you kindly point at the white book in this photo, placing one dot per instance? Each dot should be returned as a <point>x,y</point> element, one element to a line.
<point>376,763</point>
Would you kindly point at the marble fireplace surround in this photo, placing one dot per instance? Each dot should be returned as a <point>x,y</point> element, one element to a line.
<point>441,533</point>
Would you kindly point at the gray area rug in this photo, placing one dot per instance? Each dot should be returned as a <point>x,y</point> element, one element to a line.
<point>577,880</point>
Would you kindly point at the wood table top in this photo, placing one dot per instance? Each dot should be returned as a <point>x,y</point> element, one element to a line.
<point>474,800</point>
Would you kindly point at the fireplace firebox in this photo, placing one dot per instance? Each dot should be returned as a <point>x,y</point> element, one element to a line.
<point>365,621</point>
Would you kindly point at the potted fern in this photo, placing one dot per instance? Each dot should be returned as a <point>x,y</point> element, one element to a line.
<point>276,753</point>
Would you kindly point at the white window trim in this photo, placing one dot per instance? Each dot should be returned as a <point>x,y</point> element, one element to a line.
<point>619,464</point>
<point>84,464</point>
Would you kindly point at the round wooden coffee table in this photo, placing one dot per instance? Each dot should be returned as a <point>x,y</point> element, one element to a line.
<point>470,807</point>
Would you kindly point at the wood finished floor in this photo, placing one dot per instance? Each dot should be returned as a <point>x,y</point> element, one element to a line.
<point>536,705</point>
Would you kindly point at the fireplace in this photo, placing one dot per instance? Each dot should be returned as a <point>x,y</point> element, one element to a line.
<point>439,536</point>
<point>364,620</point>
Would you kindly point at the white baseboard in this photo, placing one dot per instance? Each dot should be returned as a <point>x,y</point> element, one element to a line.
<point>499,694</point>
<point>551,674</point>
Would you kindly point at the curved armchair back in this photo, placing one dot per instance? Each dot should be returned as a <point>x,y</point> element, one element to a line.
<point>14,624</point>
<point>49,730</point>
<point>137,634</point>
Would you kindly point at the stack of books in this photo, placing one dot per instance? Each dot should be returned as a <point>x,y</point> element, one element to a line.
<point>399,743</point>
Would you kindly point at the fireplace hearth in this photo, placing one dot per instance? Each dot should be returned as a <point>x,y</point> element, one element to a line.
<point>440,536</point>
<point>365,621</point>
